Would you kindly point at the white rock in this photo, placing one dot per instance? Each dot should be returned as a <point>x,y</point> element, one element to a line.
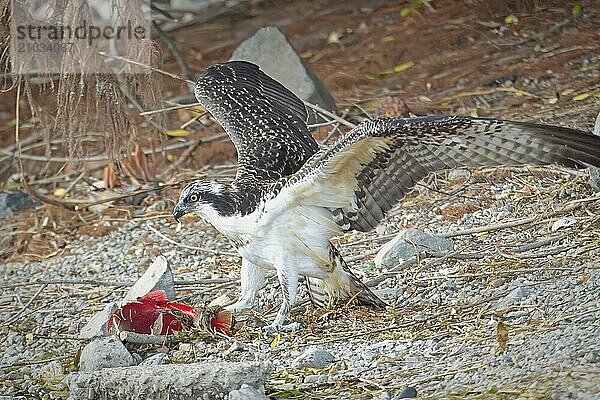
<point>221,301</point>
<point>564,222</point>
<point>158,276</point>
<point>107,352</point>
<point>97,326</point>
<point>458,173</point>
<point>313,358</point>
<point>408,243</point>
<point>157,359</point>
<point>52,370</point>
<point>247,392</point>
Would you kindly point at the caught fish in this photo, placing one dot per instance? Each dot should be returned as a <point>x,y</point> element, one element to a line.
<point>154,314</point>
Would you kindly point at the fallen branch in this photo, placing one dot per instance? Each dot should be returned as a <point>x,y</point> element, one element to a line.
<point>573,205</point>
<point>330,114</point>
<point>24,309</point>
<point>174,146</point>
<point>185,246</point>
<point>172,108</point>
<point>142,338</point>
<point>160,71</point>
<point>538,36</point>
<point>93,282</point>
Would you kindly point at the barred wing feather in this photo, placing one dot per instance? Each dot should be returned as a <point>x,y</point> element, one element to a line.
<point>367,171</point>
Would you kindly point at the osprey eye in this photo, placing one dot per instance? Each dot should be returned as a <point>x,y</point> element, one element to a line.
<point>193,198</point>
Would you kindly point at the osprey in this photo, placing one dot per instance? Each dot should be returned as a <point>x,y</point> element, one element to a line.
<point>290,196</point>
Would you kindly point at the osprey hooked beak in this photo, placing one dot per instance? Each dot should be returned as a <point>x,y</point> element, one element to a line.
<point>179,211</point>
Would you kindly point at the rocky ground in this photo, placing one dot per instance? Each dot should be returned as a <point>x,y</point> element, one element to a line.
<point>513,312</point>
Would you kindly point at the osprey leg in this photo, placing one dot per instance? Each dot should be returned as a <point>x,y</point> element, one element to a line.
<point>252,278</point>
<point>288,280</point>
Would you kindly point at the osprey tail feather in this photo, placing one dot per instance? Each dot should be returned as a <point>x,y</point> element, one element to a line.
<point>342,286</point>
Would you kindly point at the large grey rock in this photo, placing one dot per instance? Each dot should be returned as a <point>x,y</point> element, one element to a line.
<point>173,381</point>
<point>12,202</point>
<point>270,49</point>
<point>106,352</point>
<point>595,171</point>
<point>408,243</point>
<point>313,358</point>
<point>247,392</point>
<point>157,277</point>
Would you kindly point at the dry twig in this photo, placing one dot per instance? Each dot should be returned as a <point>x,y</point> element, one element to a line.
<point>185,246</point>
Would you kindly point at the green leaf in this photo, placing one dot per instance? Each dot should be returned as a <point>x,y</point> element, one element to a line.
<point>276,340</point>
<point>510,19</point>
<point>576,9</point>
<point>586,95</point>
<point>405,12</point>
<point>398,68</point>
<point>177,132</point>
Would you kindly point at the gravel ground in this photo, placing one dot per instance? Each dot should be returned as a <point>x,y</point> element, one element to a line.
<point>514,313</point>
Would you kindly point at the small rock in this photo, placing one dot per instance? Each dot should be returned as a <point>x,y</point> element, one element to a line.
<point>158,276</point>
<point>221,301</point>
<point>593,356</point>
<point>319,378</point>
<point>498,282</point>
<point>52,370</point>
<point>389,294</point>
<point>407,244</point>
<point>106,352</point>
<point>186,347</point>
<point>236,346</point>
<point>407,393</point>
<point>515,296</point>
<point>562,395</point>
<point>157,359</point>
<point>270,49</point>
<point>247,392</point>
<point>458,173</point>
<point>313,358</point>
<point>384,396</point>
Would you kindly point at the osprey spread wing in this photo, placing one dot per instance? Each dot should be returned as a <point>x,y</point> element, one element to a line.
<point>290,197</point>
<point>380,161</point>
<point>265,121</point>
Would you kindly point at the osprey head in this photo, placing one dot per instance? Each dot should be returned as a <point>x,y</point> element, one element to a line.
<point>202,197</point>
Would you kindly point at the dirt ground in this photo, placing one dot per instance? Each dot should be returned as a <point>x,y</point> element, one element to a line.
<point>526,60</point>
